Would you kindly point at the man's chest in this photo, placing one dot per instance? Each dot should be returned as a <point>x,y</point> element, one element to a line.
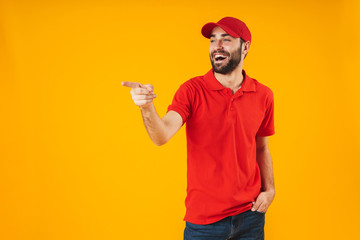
<point>221,111</point>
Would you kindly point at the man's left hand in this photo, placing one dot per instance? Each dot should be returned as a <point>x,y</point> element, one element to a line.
<point>263,201</point>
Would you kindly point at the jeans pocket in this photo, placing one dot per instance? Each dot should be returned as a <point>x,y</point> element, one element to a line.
<point>260,212</point>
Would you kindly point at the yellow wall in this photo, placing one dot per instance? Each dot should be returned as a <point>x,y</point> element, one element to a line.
<point>75,160</point>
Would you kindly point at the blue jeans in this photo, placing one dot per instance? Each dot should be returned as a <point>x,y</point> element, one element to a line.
<point>245,226</point>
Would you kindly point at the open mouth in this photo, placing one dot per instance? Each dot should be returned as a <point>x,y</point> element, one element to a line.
<point>219,57</point>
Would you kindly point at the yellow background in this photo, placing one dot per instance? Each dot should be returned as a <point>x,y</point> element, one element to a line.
<point>75,159</point>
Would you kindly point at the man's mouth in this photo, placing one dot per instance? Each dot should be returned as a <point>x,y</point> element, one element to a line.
<point>219,57</point>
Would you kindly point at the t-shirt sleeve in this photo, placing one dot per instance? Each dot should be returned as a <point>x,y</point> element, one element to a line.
<point>267,126</point>
<point>182,101</point>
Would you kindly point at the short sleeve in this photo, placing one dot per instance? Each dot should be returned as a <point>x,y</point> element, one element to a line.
<point>182,101</point>
<point>267,126</point>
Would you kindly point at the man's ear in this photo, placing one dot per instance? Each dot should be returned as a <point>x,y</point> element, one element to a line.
<point>247,46</point>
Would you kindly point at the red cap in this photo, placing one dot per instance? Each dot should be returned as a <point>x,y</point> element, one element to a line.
<point>232,26</point>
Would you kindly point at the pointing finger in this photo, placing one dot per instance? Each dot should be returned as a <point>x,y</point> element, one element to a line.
<point>132,84</point>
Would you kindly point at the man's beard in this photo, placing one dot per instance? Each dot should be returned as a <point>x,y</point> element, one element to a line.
<point>233,61</point>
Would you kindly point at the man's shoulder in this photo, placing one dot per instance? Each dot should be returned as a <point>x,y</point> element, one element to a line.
<point>262,88</point>
<point>194,83</point>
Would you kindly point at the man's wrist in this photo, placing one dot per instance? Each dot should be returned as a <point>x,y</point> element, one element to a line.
<point>270,190</point>
<point>146,106</point>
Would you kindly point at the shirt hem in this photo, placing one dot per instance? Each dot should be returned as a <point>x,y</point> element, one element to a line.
<point>213,220</point>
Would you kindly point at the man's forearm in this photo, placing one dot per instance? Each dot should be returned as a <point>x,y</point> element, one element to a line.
<point>154,125</point>
<point>159,129</point>
<point>264,160</point>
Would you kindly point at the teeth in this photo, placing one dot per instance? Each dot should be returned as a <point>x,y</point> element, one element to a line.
<point>219,57</point>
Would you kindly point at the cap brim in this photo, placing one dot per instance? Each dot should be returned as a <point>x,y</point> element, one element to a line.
<point>208,28</point>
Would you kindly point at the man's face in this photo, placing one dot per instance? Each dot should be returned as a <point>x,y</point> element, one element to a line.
<point>225,51</point>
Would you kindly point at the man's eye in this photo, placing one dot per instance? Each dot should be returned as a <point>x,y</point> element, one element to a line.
<point>228,40</point>
<point>212,41</point>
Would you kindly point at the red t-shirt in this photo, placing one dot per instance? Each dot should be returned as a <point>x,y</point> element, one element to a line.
<point>223,176</point>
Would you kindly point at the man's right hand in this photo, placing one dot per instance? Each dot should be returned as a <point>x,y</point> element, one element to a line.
<point>142,95</point>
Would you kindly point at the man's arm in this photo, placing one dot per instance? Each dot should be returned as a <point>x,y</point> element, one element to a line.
<point>264,160</point>
<point>159,129</point>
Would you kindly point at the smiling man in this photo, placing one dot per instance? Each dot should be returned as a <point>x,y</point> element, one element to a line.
<point>228,117</point>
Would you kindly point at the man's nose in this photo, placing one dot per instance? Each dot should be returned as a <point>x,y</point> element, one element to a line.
<point>218,45</point>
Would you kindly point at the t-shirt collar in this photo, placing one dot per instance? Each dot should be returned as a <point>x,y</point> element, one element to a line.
<point>212,83</point>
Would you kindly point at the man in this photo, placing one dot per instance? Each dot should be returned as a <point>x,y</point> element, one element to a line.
<point>229,117</point>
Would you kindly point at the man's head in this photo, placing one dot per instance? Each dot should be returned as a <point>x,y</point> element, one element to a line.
<point>229,43</point>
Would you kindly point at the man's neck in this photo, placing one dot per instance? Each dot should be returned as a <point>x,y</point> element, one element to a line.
<point>231,80</point>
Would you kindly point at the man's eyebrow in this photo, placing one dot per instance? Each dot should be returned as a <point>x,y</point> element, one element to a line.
<point>223,35</point>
